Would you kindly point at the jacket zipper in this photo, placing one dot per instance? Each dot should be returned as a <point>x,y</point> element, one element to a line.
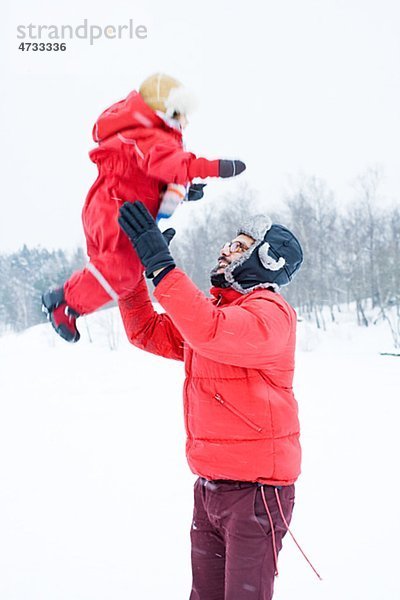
<point>237,412</point>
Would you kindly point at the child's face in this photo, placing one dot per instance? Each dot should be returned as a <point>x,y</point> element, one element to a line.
<point>182,119</point>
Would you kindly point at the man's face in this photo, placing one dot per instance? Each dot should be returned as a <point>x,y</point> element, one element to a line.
<point>232,251</point>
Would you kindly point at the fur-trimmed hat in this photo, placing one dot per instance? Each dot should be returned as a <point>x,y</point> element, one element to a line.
<point>166,94</point>
<point>271,262</point>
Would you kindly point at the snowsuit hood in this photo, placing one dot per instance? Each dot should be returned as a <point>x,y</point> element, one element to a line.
<point>130,113</point>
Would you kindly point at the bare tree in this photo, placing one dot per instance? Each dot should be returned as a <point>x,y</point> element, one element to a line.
<point>312,215</point>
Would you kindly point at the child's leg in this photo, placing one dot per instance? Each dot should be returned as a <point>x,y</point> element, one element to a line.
<point>107,277</point>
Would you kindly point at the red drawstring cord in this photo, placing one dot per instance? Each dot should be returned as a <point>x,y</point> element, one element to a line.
<point>272,531</point>
<point>293,538</point>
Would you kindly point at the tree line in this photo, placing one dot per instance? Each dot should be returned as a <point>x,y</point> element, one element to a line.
<point>24,275</point>
<point>351,255</point>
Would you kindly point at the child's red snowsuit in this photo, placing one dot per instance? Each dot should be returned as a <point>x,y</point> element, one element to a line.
<point>138,154</point>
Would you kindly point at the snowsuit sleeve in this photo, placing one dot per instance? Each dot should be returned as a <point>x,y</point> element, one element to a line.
<point>251,335</point>
<point>161,156</point>
<point>147,329</point>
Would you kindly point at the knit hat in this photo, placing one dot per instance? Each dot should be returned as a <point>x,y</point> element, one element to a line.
<point>166,94</point>
<point>271,262</point>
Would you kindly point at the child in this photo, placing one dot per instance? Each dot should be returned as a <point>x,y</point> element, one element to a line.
<point>140,156</point>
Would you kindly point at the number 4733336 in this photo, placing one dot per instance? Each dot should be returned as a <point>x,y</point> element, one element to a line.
<point>42,47</point>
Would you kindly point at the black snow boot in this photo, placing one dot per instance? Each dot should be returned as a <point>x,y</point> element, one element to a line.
<point>61,316</point>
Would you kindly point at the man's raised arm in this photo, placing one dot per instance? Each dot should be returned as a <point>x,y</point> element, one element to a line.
<point>147,329</point>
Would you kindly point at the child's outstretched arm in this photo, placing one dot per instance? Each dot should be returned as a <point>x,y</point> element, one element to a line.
<point>166,160</point>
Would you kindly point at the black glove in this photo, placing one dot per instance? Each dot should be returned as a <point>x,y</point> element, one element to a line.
<point>168,235</point>
<point>150,244</point>
<point>230,168</point>
<point>196,191</point>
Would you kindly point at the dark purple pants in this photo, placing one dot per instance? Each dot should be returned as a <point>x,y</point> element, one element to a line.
<point>232,550</point>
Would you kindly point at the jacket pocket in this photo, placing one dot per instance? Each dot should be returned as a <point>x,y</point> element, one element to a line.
<point>238,413</point>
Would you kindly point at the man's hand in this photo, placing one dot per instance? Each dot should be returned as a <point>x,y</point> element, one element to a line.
<point>150,244</point>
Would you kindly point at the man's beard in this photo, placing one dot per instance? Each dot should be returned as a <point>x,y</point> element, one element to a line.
<point>218,279</point>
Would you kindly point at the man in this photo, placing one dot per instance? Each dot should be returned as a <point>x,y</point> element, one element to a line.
<point>240,412</point>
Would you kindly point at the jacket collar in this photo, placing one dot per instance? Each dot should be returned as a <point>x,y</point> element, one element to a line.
<point>224,295</point>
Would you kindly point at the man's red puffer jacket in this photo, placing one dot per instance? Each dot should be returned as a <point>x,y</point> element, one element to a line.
<point>240,411</point>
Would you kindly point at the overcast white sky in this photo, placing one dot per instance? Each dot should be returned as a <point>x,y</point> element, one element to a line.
<point>291,87</point>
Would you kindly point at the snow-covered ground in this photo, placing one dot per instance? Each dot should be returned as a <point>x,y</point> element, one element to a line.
<point>96,496</point>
